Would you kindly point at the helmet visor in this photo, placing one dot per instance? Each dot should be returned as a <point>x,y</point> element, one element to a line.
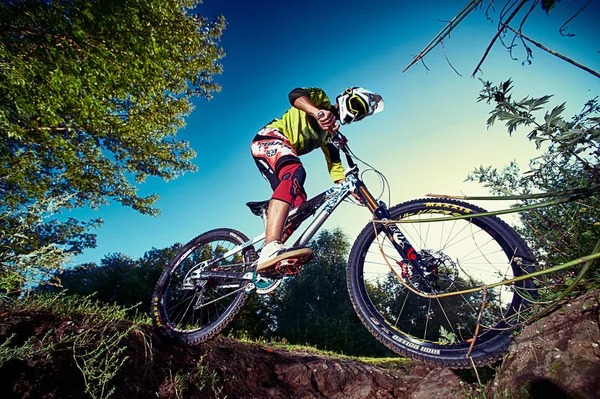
<point>358,107</point>
<point>355,103</point>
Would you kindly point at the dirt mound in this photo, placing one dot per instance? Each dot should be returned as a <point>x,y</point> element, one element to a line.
<point>45,356</point>
<point>60,364</point>
<point>557,356</point>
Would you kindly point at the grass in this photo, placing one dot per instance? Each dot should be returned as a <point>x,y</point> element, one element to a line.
<point>63,305</point>
<point>207,379</point>
<point>31,347</point>
<point>388,362</point>
<point>98,349</point>
<point>471,391</point>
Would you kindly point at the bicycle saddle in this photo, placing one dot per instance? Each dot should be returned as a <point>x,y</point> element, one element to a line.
<point>258,207</point>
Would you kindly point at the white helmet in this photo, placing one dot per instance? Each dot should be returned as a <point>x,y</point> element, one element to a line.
<point>355,103</point>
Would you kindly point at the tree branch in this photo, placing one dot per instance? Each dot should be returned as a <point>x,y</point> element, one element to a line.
<point>502,27</point>
<point>444,32</point>
<point>562,57</point>
<point>447,60</point>
<point>565,25</point>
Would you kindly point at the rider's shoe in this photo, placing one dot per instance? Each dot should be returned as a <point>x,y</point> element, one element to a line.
<point>275,252</point>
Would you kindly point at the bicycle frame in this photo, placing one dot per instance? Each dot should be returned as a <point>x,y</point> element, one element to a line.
<point>328,201</point>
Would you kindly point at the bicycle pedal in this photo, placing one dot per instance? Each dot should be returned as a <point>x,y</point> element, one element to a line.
<point>288,267</point>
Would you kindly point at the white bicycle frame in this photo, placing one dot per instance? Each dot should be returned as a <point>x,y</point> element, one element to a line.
<point>333,197</point>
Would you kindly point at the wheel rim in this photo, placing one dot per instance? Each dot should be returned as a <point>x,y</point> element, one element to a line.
<point>190,303</point>
<point>465,256</point>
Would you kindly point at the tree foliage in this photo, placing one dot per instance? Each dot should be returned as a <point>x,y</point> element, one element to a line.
<point>92,92</point>
<point>435,320</point>
<point>311,308</point>
<point>91,96</point>
<point>22,260</point>
<point>119,279</point>
<point>570,159</point>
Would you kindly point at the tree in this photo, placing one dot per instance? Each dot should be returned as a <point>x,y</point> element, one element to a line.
<point>314,307</point>
<point>256,320</point>
<point>119,279</point>
<point>570,161</point>
<point>91,96</point>
<point>23,259</point>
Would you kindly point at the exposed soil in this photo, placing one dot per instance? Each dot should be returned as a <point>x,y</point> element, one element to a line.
<point>558,357</point>
<point>156,367</point>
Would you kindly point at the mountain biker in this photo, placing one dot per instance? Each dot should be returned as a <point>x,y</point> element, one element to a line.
<point>277,147</point>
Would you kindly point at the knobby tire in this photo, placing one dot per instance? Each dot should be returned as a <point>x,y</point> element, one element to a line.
<point>195,310</point>
<point>462,254</point>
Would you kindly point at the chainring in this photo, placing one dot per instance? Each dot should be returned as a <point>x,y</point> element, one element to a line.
<point>265,285</point>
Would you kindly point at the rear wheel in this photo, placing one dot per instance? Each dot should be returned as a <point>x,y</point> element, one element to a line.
<point>417,314</point>
<point>193,308</point>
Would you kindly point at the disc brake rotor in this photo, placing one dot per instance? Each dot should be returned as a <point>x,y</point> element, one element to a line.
<point>438,275</point>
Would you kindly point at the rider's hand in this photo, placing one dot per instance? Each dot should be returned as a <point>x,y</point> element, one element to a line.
<point>327,120</point>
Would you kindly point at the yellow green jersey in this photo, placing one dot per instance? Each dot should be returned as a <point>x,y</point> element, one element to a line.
<point>305,134</point>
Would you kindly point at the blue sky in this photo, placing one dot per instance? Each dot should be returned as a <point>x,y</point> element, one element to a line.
<point>430,136</point>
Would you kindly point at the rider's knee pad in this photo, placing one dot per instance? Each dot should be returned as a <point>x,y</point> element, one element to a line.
<point>291,186</point>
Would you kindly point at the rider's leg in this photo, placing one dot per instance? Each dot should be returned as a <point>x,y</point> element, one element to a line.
<point>289,191</point>
<point>278,162</point>
<point>278,211</point>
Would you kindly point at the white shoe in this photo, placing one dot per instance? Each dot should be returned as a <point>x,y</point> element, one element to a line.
<point>274,252</point>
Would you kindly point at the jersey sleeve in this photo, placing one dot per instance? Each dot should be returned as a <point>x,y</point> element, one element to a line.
<point>317,96</point>
<point>334,162</point>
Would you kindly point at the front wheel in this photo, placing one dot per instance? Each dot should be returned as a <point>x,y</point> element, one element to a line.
<point>418,313</point>
<point>201,290</point>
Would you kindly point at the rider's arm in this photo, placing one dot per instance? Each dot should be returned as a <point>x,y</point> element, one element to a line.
<point>301,99</point>
<point>334,163</point>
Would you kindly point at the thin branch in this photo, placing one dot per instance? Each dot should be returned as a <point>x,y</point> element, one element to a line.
<point>487,11</point>
<point>505,10</point>
<point>564,26</point>
<point>444,32</point>
<point>533,6</point>
<point>449,63</point>
<point>525,46</point>
<point>500,30</point>
<point>562,57</point>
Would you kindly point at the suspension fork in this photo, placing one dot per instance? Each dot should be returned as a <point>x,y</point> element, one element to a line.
<point>393,233</point>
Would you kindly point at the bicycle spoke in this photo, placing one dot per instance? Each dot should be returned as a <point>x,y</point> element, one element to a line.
<point>195,298</point>
<point>469,257</point>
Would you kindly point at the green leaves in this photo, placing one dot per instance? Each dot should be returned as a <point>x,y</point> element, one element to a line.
<point>570,159</point>
<point>446,336</point>
<point>513,113</point>
<point>535,104</point>
<point>92,94</point>
<point>554,116</point>
<point>548,5</point>
<point>97,90</point>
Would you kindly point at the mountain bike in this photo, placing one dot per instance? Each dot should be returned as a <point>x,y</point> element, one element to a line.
<point>420,275</point>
